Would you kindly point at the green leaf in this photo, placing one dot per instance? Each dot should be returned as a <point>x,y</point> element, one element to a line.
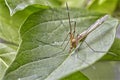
<point>75,76</point>
<point>104,70</point>
<point>9,25</point>
<point>9,35</point>
<point>103,6</point>
<point>17,5</point>
<point>41,55</point>
<point>7,55</point>
<point>7,52</point>
<point>115,49</point>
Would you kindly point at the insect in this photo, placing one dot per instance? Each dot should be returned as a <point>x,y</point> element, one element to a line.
<point>74,40</point>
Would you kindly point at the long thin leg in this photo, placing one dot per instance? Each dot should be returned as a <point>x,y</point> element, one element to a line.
<point>65,39</point>
<point>53,10</point>
<point>99,51</point>
<point>69,23</point>
<point>62,50</point>
<point>66,45</point>
<point>84,59</point>
<point>80,45</point>
<point>63,23</point>
<point>57,53</point>
<point>69,17</point>
<point>74,28</point>
<point>70,33</point>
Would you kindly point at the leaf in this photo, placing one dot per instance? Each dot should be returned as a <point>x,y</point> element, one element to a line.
<point>7,55</point>
<point>104,70</point>
<point>9,35</point>
<point>7,52</point>
<point>40,55</point>
<point>75,76</point>
<point>103,6</point>
<point>115,49</point>
<point>9,25</point>
<point>17,5</point>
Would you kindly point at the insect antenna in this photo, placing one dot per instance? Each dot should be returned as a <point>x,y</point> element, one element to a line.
<point>69,25</point>
<point>69,17</point>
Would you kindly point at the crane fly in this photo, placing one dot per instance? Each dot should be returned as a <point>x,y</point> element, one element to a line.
<point>74,40</point>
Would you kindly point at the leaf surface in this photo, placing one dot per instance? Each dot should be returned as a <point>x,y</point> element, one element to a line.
<point>17,5</point>
<point>41,55</point>
<point>9,34</point>
<point>115,49</point>
<point>75,76</point>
